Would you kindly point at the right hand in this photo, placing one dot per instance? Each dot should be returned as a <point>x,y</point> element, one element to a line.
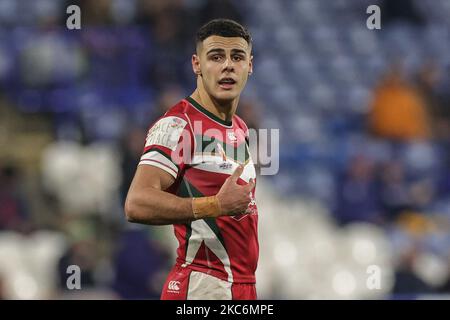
<point>234,198</point>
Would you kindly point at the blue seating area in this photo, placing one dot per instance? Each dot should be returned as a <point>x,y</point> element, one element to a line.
<point>316,66</point>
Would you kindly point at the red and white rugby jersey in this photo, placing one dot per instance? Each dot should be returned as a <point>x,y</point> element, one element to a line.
<point>200,151</point>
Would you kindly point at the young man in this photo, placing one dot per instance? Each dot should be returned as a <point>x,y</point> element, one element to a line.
<point>197,174</point>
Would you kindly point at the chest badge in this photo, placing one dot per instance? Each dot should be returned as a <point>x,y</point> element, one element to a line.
<point>231,136</point>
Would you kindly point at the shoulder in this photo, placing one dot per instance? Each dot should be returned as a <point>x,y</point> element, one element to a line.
<point>169,128</point>
<point>180,109</point>
<point>240,123</point>
<point>175,116</point>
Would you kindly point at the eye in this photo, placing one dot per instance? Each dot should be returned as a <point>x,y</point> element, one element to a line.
<point>237,58</point>
<point>216,57</point>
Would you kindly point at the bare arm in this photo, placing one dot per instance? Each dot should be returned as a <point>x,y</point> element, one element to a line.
<point>148,203</point>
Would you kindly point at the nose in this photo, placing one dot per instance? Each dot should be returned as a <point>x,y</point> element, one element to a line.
<point>228,65</point>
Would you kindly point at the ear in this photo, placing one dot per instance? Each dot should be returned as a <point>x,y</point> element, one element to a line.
<point>250,69</point>
<point>196,65</point>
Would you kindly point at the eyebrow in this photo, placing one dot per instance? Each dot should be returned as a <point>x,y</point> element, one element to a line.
<point>238,51</point>
<point>233,51</point>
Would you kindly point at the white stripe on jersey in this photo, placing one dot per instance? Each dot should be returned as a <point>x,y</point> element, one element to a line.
<point>202,232</point>
<point>156,159</point>
<point>195,241</point>
<point>215,164</point>
<point>203,286</point>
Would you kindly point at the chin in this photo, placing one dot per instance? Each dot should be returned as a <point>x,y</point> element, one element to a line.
<point>226,96</point>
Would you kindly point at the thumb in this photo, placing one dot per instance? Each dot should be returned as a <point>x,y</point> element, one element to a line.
<point>237,173</point>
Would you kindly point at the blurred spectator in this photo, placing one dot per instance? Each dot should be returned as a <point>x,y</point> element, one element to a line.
<point>48,60</point>
<point>169,96</point>
<point>428,82</point>
<point>168,21</point>
<point>357,200</point>
<point>250,111</point>
<point>422,194</point>
<point>137,266</point>
<point>81,253</point>
<point>13,207</point>
<point>172,30</point>
<point>213,9</point>
<point>393,190</point>
<point>131,151</point>
<point>406,280</point>
<point>398,112</point>
<point>401,10</point>
<point>94,13</point>
<point>445,288</point>
<point>2,288</point>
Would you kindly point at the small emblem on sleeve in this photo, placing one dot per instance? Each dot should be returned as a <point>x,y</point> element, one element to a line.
<point>166,132</point>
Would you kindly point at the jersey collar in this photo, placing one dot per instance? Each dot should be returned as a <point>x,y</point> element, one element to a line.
<point>208,113</point>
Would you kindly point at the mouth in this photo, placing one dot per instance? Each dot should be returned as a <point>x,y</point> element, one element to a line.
<point>227,83</point>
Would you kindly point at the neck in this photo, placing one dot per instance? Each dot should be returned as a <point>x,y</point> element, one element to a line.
<point>222,109</point>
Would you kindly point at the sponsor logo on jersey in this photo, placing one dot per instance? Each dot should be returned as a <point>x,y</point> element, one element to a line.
<point>166,132</point>
<point>231,135</point>
<point>225,165</point>
<point>173,286</point>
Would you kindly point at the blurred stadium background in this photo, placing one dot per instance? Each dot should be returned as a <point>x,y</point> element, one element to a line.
<point>364,119</point>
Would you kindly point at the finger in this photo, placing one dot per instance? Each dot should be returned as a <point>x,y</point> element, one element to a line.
<point>251,184</point>
<point>237,173</point>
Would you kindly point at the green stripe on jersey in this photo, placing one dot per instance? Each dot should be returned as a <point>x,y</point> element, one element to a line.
<point>188,190</point>
<point>208,145</point>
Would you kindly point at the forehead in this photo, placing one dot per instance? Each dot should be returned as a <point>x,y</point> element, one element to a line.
<point>225,43</point>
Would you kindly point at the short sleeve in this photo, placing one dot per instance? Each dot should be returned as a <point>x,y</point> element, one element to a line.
<point>168,145</point>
